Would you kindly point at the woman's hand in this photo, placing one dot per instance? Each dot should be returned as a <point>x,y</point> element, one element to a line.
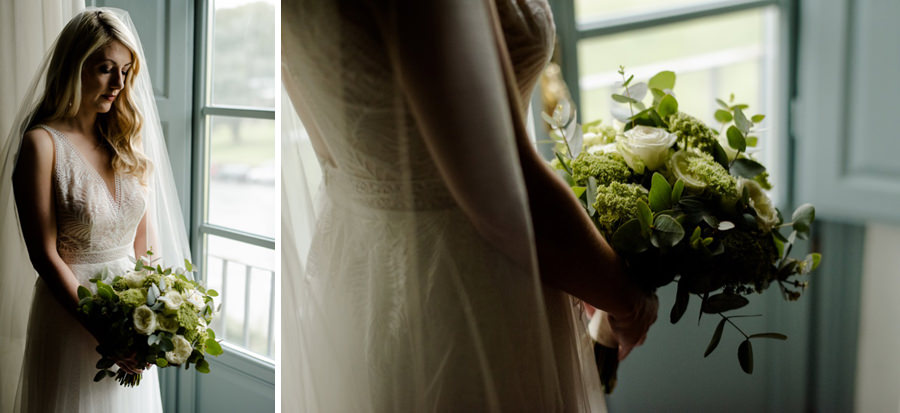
<point>130,364</point>
<point>629,330</point>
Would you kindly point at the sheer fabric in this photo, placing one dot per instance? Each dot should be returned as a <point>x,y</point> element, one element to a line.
<point>88,248</point>
<point>401,304</point>
<point>27,29</point>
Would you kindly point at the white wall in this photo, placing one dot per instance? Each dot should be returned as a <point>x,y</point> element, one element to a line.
<point>878,360</point>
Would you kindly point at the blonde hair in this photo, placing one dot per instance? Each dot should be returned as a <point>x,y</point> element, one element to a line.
<point>84,35</point>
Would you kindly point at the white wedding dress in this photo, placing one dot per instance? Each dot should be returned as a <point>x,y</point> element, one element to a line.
<point>96,230</point>
<point>403,306</point>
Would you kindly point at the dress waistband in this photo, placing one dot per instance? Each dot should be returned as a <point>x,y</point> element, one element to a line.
<point>426,194</point>
<point>94,257</point>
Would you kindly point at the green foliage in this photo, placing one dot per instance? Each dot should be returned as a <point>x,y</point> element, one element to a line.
<point>660,193</point>
<point>745,356</point>
<point>716,338</point>
<point>667,106</point>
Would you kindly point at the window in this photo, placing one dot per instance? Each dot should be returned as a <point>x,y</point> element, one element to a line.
<point>716,48</point>
<point>234,207</point>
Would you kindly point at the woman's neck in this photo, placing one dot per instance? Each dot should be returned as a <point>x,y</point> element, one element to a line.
<point>83,122</point>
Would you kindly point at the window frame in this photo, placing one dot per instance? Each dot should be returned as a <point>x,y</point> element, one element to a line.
<point>203,109</point>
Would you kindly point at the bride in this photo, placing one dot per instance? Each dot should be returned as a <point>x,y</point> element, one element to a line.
<point>445,253</point>
<point>93,189</point>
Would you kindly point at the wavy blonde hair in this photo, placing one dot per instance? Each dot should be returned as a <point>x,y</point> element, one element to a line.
<point>84,35</point>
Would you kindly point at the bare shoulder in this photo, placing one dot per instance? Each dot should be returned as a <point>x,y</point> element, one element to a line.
<point>37,149</point>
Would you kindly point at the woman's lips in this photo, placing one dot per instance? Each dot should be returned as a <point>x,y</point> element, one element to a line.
<point>109,97</point>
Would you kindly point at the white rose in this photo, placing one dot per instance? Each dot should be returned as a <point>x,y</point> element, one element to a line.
<point>169,324</point>
<point>181,352</point>
<point>766,214</point>
<point>144,320</point>
<point>172,299</point>
<point>135,279</point>
<point>196,299</point>
<point>645,146</point>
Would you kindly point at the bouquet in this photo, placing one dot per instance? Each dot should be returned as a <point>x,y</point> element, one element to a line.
<point>154,315</point>
<point>683,203</point>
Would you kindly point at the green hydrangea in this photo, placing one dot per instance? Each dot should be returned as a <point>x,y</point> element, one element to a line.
<point>599,135</point>
<point>119,284</point>
<point>187,318</point>
<point>182,285</point>
<point>616,204</point>
<point>133,297</point>
<point>700,172</point>
<point>152,279</point>
<point>694,131</point>
<point>606,168</point>
<point>748,259</point>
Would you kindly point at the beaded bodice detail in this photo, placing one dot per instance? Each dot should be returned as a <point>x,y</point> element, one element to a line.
<point>375,153</point>
<point>93,224</point>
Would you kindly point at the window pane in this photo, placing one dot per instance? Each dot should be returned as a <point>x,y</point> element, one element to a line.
<point>712,58</point>
<point>243,275</point>
<point>587,10</point>
<point>242,174</point>
<point>243,53</point>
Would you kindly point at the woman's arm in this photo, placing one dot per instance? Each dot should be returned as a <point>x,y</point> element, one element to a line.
<point>33,186</point>
<point>450,68</point>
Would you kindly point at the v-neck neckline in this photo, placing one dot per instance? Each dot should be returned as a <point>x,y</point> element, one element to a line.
<point>113,195</point>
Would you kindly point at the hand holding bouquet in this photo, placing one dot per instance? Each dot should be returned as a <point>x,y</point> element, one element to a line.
<point>150,315</point>
<point>682,202</point>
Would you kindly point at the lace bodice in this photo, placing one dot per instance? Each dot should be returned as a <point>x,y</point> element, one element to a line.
<point>370,135</point>
<point>93,225</point>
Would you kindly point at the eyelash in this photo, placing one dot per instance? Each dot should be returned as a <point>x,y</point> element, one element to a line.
<point>106,70</point>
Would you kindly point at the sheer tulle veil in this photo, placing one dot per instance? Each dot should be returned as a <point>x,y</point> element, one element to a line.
<point>166,235</point>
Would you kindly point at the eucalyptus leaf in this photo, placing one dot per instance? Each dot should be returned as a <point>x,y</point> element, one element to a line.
<point>667,106</point>
<point>645,216</point>
<point>741,121</point>
<point>719,154</point>
<point>549,119</point>
<point>161,362</point>
<point>637,91</point>
<point>752,141</point>
<point>662,80</point>
<point>723,116</point>
<point>745,356</point>
<point>668,231</point>
<point>629,238</point>
<point>213,347</point>
<point>803,217</point>
<point>747,168</point>
<point>591,195</point>
<point>811,262</point>
<point>565,165</point>
<point>202,366</point>
<point>677,191</point>
<point>623,99</point>
<point>105,363</point>
<point>100,375</point>
<point>757,118</point>
<point>716,338</point>
<point>722,104</point>
<point>620,113</point>
<point>777,336</point>
<point>660,193</point>
<point>722,302</point>
<point>682,298</point>
<point>83,292</point>
<point>736,139</point>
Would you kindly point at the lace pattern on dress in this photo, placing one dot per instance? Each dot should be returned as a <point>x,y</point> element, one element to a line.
<point>424,194</point>
<point>93,225</point>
